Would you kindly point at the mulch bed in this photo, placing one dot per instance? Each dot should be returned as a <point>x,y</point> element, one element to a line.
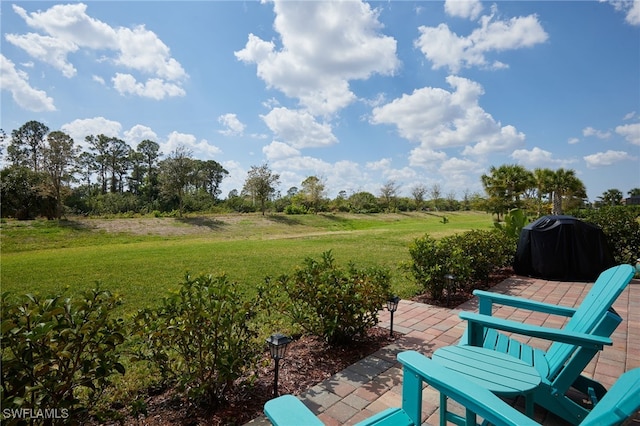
<point>309,361</point>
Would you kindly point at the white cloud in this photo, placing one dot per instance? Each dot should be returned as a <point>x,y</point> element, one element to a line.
<point>460,174</point>
<point>68,29</point>
<point>573,141</point>
<point>17,82</point>
<point>608,158</point>
<point>444,48</point>
<point>70,23</point>
<point>324,45</point>
<point>382,164</point>
<point>590,131</point>
<point>440,119</point>
<point>299,128</point>
<point>633,14</point>
<point>233,126</point>
<point>631,9</point>
<point>631,132</point>
<point>629,115</point>
<point>278,150</point>
<point>538,157</point>
<point>81,128</point>
<point>142,50</point>
<point>427,158</point>
<point>154,88</point>
<point>341,175</point>
<point>469,9</point>
<point>138,133</point>
<point>201,149</point>
<point>47,49</point>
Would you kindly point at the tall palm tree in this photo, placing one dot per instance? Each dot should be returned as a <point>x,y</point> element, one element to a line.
<point>565,183</point>
<point>505,185</point>
<point>543,182</point>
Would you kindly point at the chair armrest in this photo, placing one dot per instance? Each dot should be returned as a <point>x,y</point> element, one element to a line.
<point>457,387</point>
<point>477,322</point>
<point>287,410</point>
<point>487,298</point>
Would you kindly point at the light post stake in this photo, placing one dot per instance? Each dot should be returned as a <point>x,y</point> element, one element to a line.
<point>450,280</point>
<point>277,348</point>
<point>392,306</point>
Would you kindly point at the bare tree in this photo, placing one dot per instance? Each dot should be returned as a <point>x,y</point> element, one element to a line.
<point>418,192</point>
<point>435,192</point>
<point>388,193</point>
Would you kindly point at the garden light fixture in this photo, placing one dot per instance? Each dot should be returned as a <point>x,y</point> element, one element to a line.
<point>450,281</point>
<point>277,348</point>
<point>392,306</point>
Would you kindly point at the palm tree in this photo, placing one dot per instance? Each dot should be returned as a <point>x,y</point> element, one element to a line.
<point>565,183</point>
<point>543,183</point>
<point>505,185</point>
<point>611,197</point>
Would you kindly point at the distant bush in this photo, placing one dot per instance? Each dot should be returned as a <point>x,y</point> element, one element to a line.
<point>622,229</point>
<point>203,338</point>
<point>58,354</point>
<point>295,209</point>
<point>325,300</point>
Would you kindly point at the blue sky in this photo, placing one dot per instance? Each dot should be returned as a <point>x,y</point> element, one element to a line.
<point>356,93</point>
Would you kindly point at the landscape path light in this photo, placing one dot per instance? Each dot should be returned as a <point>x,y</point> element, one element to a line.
<point>450,281</point>
<point>392,306</point>
<point>277,348</point>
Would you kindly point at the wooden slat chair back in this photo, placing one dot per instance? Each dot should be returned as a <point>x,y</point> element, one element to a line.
<point>587,331</point>
<point>593,310</point>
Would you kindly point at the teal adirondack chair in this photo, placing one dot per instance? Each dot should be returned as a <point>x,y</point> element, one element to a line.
<point>620,403</point>
<point>573,347</point>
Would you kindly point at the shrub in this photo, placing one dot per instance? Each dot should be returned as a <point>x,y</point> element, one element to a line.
<point>295,209</point>
<point>514,221</point>
<point>58,354</point>
<point>337,304</point>
<point>203,338</point>
<point>433,260</point>
<point>486,251</point>
<point>469,256</point>
<point>622,229</point>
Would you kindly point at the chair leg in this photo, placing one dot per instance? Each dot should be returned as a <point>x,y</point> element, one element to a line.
<point>560,405</point>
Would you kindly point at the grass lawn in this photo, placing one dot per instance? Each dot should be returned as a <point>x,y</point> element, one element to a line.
<point>142,259</point>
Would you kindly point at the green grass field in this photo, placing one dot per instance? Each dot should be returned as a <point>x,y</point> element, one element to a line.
<point>141,259</point>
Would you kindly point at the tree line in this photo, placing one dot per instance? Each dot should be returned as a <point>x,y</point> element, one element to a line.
<point>48,175</point>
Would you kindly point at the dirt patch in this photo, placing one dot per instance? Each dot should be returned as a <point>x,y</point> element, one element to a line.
<point>309,361</point>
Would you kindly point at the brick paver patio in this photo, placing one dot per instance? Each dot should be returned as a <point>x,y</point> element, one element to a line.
<point>374,383</point>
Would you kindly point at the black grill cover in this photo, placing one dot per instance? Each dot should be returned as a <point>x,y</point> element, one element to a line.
<point>562,248</point>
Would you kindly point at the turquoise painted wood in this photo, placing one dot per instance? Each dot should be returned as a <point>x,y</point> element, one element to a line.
<point>588,330</point>
<point>500,373</point>
<point>287,410</point>
<point>621,402</point>
<point>390,416</point>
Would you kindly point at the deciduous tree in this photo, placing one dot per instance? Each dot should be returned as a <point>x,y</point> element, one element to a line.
<point>176,173</point>
<point>260,185</point>
<point>313,190</point>
<point>26,145</point>
<point>58,159</point>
